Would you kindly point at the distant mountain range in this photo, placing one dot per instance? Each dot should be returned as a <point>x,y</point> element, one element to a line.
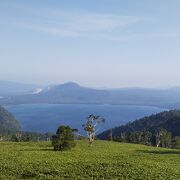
<point>169,120</point>
<point>73,93</point>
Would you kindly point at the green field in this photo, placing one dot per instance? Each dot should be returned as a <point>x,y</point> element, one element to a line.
<point>104,160</point>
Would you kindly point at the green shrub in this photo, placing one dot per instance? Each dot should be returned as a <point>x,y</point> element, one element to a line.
<point>176,142</point>
<point>64,139</point>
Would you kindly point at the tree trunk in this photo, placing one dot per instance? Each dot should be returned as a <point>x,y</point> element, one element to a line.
<point>91,139</point>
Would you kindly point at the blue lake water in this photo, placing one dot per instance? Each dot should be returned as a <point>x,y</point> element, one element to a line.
<point>47,117</point>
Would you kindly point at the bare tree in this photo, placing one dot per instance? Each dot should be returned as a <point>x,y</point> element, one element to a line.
<point>159,134</point>
<point>91,125</point>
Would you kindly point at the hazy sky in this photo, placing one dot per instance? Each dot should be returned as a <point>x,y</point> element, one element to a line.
<point>97,43</point>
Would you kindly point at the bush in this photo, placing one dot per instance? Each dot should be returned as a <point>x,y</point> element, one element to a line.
<point>64,139</point>
<point>176,142</point>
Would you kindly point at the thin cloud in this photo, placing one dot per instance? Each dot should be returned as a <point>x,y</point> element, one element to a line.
<point>143,36</point>
<point>73,23</point>
<point>89,25</point>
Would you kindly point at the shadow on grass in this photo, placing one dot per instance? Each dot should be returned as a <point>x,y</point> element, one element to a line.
<point>44,149</point>
<point>159,152</point>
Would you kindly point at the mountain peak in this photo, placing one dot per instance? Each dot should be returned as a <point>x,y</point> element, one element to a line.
<point>70,84</point>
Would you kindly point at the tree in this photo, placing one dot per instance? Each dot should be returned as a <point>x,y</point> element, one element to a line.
<point>17,137</point>
<point>64,139</point>
<point>140,137</point>
<point>163,138</point>
<point>167,140</point>
<point>132,137</point>
<point>176,142</point>
<point>110,137</point>
<point>122,137</point>
<point>90,126</point>
<point>158,135</point>
<point>147,137</point>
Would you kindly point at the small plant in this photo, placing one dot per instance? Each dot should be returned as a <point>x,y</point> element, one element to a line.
<point>64,139</point>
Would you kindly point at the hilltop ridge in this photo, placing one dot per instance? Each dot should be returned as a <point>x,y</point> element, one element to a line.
<point>169,120</point>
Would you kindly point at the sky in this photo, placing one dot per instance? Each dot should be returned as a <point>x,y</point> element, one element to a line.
<point>96,43</point>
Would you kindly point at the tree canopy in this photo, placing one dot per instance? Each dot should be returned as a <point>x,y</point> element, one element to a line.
<point>64,139</point>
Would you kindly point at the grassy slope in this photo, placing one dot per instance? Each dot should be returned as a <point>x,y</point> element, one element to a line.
<point>105,159</point>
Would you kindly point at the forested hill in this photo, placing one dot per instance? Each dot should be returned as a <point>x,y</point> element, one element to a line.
<point>8,124</point>
<point>169,120</point>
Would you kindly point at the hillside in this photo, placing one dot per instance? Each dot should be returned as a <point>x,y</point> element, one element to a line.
<point>169,120</point>
<point>8,124</point>
<point>74,93</point>
<point>104,160</point>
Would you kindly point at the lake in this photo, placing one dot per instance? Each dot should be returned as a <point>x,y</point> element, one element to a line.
<point>47,117</point>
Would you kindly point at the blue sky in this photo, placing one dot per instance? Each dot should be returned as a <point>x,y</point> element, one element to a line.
<point>97,43</point>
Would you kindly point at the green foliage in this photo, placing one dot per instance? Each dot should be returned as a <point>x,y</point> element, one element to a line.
<point>168,120</point>
<point>139,137</point>
<point>176,142</point>
<point>80,137</point>
<point>22,136</point>
<point>104,160</point>
<point>8,124</point>
<point>163,138</point>
<point>64,139</point>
